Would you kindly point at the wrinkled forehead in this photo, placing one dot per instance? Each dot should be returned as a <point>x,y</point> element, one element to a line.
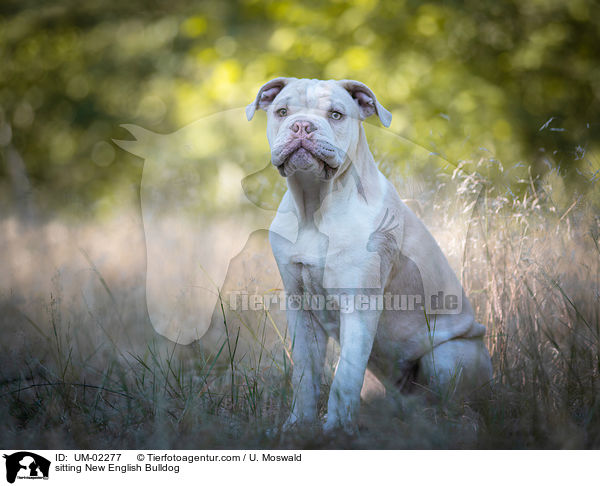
<point>314,94</point>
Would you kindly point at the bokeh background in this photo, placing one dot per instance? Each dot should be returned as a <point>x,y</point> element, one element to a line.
<point>459,78</point>
<point>494,144</point>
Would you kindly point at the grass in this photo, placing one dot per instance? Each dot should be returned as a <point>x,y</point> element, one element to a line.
<point>81,367</point>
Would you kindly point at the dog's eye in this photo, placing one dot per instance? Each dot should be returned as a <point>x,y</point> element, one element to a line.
<point>282,112</point>
<point>336,115</point>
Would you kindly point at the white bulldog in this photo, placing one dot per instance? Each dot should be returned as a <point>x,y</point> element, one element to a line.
<point>356,263</point>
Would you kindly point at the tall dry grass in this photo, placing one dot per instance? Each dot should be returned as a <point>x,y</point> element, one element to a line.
<point>81,366</point>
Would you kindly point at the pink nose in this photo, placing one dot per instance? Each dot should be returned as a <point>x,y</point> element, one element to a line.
<point>303,127</point>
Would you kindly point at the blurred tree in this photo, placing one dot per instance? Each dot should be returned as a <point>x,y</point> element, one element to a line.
<point>520,79</point>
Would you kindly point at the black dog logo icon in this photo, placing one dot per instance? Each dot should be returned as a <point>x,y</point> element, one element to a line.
<point>26,460</point>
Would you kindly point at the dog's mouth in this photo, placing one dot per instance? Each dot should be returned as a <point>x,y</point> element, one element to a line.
<point>300,155</point>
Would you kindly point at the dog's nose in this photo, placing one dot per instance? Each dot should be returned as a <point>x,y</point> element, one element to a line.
<point>303,127</point>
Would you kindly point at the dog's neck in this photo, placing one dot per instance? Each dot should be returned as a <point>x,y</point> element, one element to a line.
<point>358,174</point>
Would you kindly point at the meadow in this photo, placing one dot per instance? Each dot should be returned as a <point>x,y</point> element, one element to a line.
<point>82,367</point>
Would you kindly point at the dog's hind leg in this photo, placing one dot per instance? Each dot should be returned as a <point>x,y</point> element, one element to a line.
<point>458,368</point>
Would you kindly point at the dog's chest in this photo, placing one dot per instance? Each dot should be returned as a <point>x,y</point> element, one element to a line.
<point>329,253</point>
<point>302,266</point>
<point>306,258</point>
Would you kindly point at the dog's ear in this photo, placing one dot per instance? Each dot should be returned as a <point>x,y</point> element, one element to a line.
<point>367,102</point>
<point>266,95</point>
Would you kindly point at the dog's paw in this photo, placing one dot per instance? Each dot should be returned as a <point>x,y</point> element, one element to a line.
<point>333,425</point>
<point>294,428</point>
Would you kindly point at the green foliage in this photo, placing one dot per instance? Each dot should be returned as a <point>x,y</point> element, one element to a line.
<point>457,76</point>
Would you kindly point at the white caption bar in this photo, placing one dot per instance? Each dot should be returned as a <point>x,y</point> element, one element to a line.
<point>307,468</point>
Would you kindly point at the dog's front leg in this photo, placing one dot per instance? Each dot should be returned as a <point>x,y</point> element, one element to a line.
<point>357,332</point>
<point>309,346</point>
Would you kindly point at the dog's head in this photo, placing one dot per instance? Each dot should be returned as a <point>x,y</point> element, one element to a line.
<point>314,125</point>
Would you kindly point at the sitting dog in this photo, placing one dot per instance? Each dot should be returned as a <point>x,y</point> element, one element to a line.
<point>355,261</point>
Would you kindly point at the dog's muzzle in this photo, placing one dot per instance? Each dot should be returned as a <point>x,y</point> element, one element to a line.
<point>303,151</point>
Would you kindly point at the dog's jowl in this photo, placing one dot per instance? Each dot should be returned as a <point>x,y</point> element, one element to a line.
<point>360,265</point>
